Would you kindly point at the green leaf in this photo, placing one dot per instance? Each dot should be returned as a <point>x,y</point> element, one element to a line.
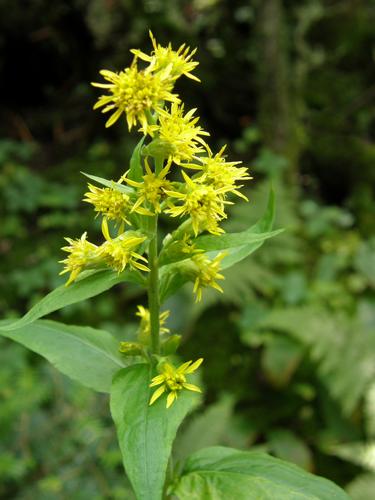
<point>221,473</point>
<point>174,276</point>
<point>233,240</point>
<point>136,171</point>
<point>362,487</point>
<point>84,354</point>
<point>288,446</point>
<point>91,284</point>
<point>111,184</point>
<point>145,432</point>
<point>264,225</point>
<point>206,429</point>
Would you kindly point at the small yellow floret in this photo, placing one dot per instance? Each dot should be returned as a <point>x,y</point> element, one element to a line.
<point>145,325</point>
<point>178,136</point>
<point>82,254</point>
<point>151,191</point>
<point>207,272</point>
<point>135,93</point>
<point>119,253</point>
<point>109,202</point>
<point>221,174</point>
<point>178,61</point>
<point>172,380</point>
<point>203,203</point>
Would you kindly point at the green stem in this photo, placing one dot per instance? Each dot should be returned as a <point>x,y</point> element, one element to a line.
<point>153,288</point>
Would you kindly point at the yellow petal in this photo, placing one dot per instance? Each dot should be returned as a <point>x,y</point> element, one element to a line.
<point>192,387</point>
<point>194,366</point>
<point>170,399</point>
<point>105,229</point>
<point>157,394</point>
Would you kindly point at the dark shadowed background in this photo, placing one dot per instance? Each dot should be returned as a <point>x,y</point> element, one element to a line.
<point>290,347</point>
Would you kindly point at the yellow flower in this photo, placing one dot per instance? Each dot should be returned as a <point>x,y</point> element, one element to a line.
<point>152,190</point>
<point>82,254</point>
<point>173,380</point>
<point>203,203</point>
<point>145,327</point>
<point>207,272</point>
<point>118,253</point>
<point>178,136</point>
<point>135,93</point>
<point>221,174</point>
<point>109,202</point>
<point>178,61</point>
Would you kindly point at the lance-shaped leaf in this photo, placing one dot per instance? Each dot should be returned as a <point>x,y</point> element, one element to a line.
<point>111,184</point>
<point>176,274</point>
<point>84,354</point>
<point>264,225</point>
<point>223,473</point>
<point>91,284</point>
<point>135,172</point>
<point>145,432</point>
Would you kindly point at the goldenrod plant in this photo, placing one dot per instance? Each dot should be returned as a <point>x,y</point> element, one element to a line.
<point>173,173</point>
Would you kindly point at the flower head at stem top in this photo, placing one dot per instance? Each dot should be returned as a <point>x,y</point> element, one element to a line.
<point>82,254</point>
<point>135,93</point>
<point>203,203</point>
<point>206,273</point>
<point>172,380</point>
<point>177,61</point>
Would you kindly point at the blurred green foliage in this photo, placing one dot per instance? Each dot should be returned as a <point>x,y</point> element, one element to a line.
<point>289,348</point>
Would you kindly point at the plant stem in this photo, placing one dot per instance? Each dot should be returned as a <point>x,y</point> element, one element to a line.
<point>153,288</point>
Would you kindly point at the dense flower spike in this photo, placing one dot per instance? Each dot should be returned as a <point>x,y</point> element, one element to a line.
<point>207,272</point>
<point>172,380</point>
<point>135,93</point>
<point>146,97</point>
<point>203,203</point>
<point>82,254</point>
<point>178,61</point>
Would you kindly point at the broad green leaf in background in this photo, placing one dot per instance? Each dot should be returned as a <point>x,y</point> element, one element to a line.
<point>85,354</point>
<point>136,171</point>
<point>280,358</point>
<point>206,429</point>
<point>342,349</point>
<point>222,473</point>
<point>286,445</point>
<point>90,286</point>
<point>145,432</point>
<point>362,487</point>
<point>123,188</point>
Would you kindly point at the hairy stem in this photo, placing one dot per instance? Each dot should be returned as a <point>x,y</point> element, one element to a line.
<point>153,288</point>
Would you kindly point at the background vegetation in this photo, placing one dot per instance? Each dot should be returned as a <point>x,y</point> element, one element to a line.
<point>289,348</point>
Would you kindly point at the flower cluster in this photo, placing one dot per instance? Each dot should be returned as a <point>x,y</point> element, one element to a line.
<point>172,380</point>
<point>173,173</point>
